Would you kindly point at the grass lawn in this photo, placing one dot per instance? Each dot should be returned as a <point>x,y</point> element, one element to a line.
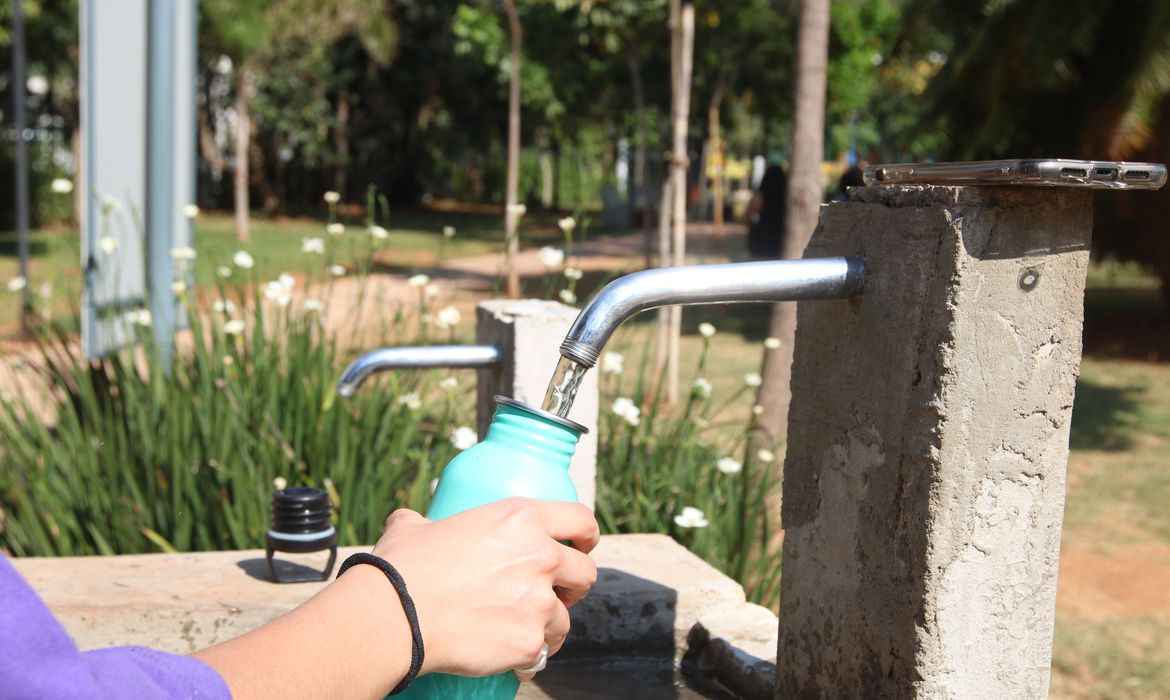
<point>275,244</point>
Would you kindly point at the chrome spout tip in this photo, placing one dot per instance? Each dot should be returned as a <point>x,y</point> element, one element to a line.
<point>579,352</point>
<point>346,389</point>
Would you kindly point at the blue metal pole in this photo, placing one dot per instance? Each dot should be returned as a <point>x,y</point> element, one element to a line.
<point>160,189</point>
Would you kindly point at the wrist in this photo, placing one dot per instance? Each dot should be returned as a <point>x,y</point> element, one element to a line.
<point>374,607</point>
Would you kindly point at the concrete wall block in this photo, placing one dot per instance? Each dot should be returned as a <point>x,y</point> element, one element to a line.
<point>928,441</point>
<point>529,334</point>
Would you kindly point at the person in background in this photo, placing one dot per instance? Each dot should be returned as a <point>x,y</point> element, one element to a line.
<point>850,178</point>
<point>765,215</point>
<point>490,586</point>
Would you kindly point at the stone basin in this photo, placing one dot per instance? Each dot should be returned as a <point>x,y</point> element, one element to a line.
<point>656,609</point>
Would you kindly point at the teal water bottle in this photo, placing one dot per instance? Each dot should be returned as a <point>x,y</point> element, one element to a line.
<point>526,452</point>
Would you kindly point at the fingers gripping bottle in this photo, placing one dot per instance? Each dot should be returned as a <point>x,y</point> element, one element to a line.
<point>526,452</point>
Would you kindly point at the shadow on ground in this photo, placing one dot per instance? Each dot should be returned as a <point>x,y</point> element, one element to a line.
<point>1104,417</point>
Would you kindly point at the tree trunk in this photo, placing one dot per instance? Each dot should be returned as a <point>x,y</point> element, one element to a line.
<point>662,343</point>
<point>513,178</point>
<point>556,181</point>
<point>243,135</point>
<point>341,143</point>
<point>641,189</point>
<point>682,18</point>
<point>805,190</point>
<point>715,156</point>
<point>78,168</point>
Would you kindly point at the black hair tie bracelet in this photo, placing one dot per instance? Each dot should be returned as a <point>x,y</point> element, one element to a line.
<point>416,647</point>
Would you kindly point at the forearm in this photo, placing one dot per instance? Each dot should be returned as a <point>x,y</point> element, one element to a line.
<point>350,640</point>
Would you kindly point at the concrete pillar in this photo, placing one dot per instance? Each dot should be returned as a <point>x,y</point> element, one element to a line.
<point>928,443</point>
<point>529,334</point>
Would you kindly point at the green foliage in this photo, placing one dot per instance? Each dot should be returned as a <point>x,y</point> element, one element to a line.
<point>653,466</point>
<point>141,456</point>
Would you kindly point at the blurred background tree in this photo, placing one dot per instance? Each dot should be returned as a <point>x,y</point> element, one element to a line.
<point>302,96</point>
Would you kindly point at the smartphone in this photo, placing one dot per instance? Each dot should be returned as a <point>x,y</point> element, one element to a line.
<point>1053,172</point>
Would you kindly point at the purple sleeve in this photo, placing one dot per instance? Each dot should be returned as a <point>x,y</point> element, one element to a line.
<point>38,659</point>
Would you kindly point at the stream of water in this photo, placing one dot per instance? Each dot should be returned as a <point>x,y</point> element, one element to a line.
<point>562,389</point>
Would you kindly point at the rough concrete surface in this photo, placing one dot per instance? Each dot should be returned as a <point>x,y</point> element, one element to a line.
<point>736,649</point>
<point>649,593</point>
<point>927,445</point>
<point>529,334</point>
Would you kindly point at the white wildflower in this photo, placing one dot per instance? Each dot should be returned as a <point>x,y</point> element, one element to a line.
<point>448,317</point>
<point>706,330</point>
<point>45,291</point>
<point>753,379</point>
<point>448,232</point>
<point>431,291</point>
<point>463,437</point>
<point>337,270</point>
<point>17,283</point>
<point>517,210</point>
<point>567,296</point>
<point>573,273</point>
<point>280,483</point>
<point>701,388</point>
<point>62,185</point>
<point>223,306</point>
<point>771,343</point>
<point>567,224</point>
<point>277,292</point>
<point>612,363</point>
<point>234,327</point>
<point>332,197</point>
<point>108,244</point>
<point>183,253</point>
<point>314,306</point>
<point>691,517</point>
<point>111,205</point>
<point>313,246</point>
<point>287,281</point>
<point>190,211</point>
<point>419,281</point>
<point>335,229</point>
<point>702,423</point>
<point>448,383</point>
<point>223,271</point>
<point>228,360</point>
<point>412,401</point>
<point>379,233</point>
<point>757,410</point>
<point>626,408</point>
<point>243,260</point>
<point>178,286</point>
<point>140,317</point>
<point>727,465</point>
<point>766,456</point>
<point>551,257</point>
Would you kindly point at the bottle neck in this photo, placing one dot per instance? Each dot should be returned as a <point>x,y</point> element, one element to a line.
<point>549,441</point>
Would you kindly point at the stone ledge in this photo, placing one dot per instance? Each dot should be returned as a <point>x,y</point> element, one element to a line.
<point>650,592</point>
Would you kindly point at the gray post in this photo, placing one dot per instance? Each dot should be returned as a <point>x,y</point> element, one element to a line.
<point>529,333</point>
<point>928,443</point>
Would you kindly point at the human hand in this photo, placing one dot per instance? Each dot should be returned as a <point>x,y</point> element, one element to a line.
<point>493,584</point>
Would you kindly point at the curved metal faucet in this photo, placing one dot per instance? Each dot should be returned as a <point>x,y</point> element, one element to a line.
<point>382,359</point>
<point>773,280</point>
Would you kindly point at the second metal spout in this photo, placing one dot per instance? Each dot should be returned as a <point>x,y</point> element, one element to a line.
<point>773,280</point>
<point>385,359</point>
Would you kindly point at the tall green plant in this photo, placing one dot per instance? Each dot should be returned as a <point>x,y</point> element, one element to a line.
<point>139,458</point>
<point>688,472</point>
